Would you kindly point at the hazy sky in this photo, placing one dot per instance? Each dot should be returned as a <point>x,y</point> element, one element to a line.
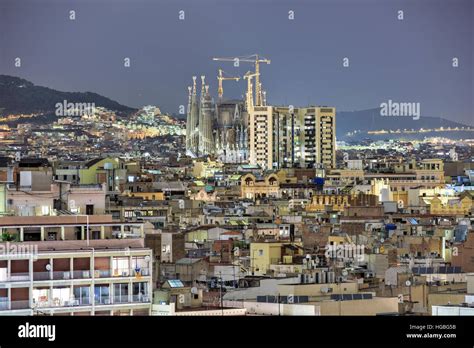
<point>407,61</point>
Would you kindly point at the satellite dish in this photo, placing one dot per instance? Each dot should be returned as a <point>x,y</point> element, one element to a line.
<point>147,258</point>
<point>345,273</point>
<point>194,290</point>
<point>382,240</point>
<point>48,267</point>
<point>408,283</point>
<point>324,290</point>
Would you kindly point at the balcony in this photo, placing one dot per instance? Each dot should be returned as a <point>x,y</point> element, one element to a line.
<point>141,298</point>
<point>18,277</point>
<point>6,305</point>
<point>126,272</point>
<point>81,274</point>
<point>61,275</point>
<point>61,303</point>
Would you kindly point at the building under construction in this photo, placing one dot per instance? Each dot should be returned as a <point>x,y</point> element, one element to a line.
<point>217,129</point>
<point>236,131</point>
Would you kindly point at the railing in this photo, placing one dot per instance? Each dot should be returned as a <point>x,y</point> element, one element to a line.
<point>121,272</point>
<point>18,277</point>
<point>85,301</point>
<point>102,300</point>
<point>41,275</point>
<point>81,274</point>
<point>6,305</point>
<point>141,272</point>
<point>102,273</point>
<point>120,299</point>
<point>140,298</point>
<point>61,275</point>
<point>77,274</point>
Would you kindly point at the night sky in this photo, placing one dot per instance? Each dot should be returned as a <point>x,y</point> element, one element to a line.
<point>406,61</point>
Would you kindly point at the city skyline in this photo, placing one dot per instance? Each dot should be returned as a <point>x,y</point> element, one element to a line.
<point>407,60</point>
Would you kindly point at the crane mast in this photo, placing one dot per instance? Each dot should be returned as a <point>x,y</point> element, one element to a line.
<point>220,78</point>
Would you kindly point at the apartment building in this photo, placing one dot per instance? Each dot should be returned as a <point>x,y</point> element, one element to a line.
<point>99,277</point>
<point>285,137</point>
<point>67,227</point>
<point>261,137</point>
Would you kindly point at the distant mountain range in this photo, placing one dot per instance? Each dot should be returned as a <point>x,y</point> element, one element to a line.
<point>19,96</point>
<point>356,124</point>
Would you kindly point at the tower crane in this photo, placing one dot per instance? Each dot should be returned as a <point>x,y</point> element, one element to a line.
<point>255,59</point>
<point>220,78</point>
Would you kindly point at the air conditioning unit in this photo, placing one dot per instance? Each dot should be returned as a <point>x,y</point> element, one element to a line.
<point>66,275</point>
<point>85,274</point>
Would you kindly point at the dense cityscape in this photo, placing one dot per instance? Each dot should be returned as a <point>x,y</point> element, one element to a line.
<point>240,208</point>
<point>287,165</point>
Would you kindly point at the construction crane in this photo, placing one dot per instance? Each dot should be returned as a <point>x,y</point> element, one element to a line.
<point>255,59</point>
<point>220,78</point>
<point>249,97</point>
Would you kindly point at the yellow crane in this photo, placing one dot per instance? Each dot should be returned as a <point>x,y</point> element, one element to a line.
<point>220,78</point>
<point>255,59</point>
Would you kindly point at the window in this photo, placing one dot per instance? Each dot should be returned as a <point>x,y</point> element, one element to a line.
<point>45,210</point>
<point>81,295</point>
<point>120,293</point>
<point>140,291</point>
<point>102,294</point>
<point>260,252</point>
<point>121,267</point>
<point>139,265</point>
<point>51,235</point>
